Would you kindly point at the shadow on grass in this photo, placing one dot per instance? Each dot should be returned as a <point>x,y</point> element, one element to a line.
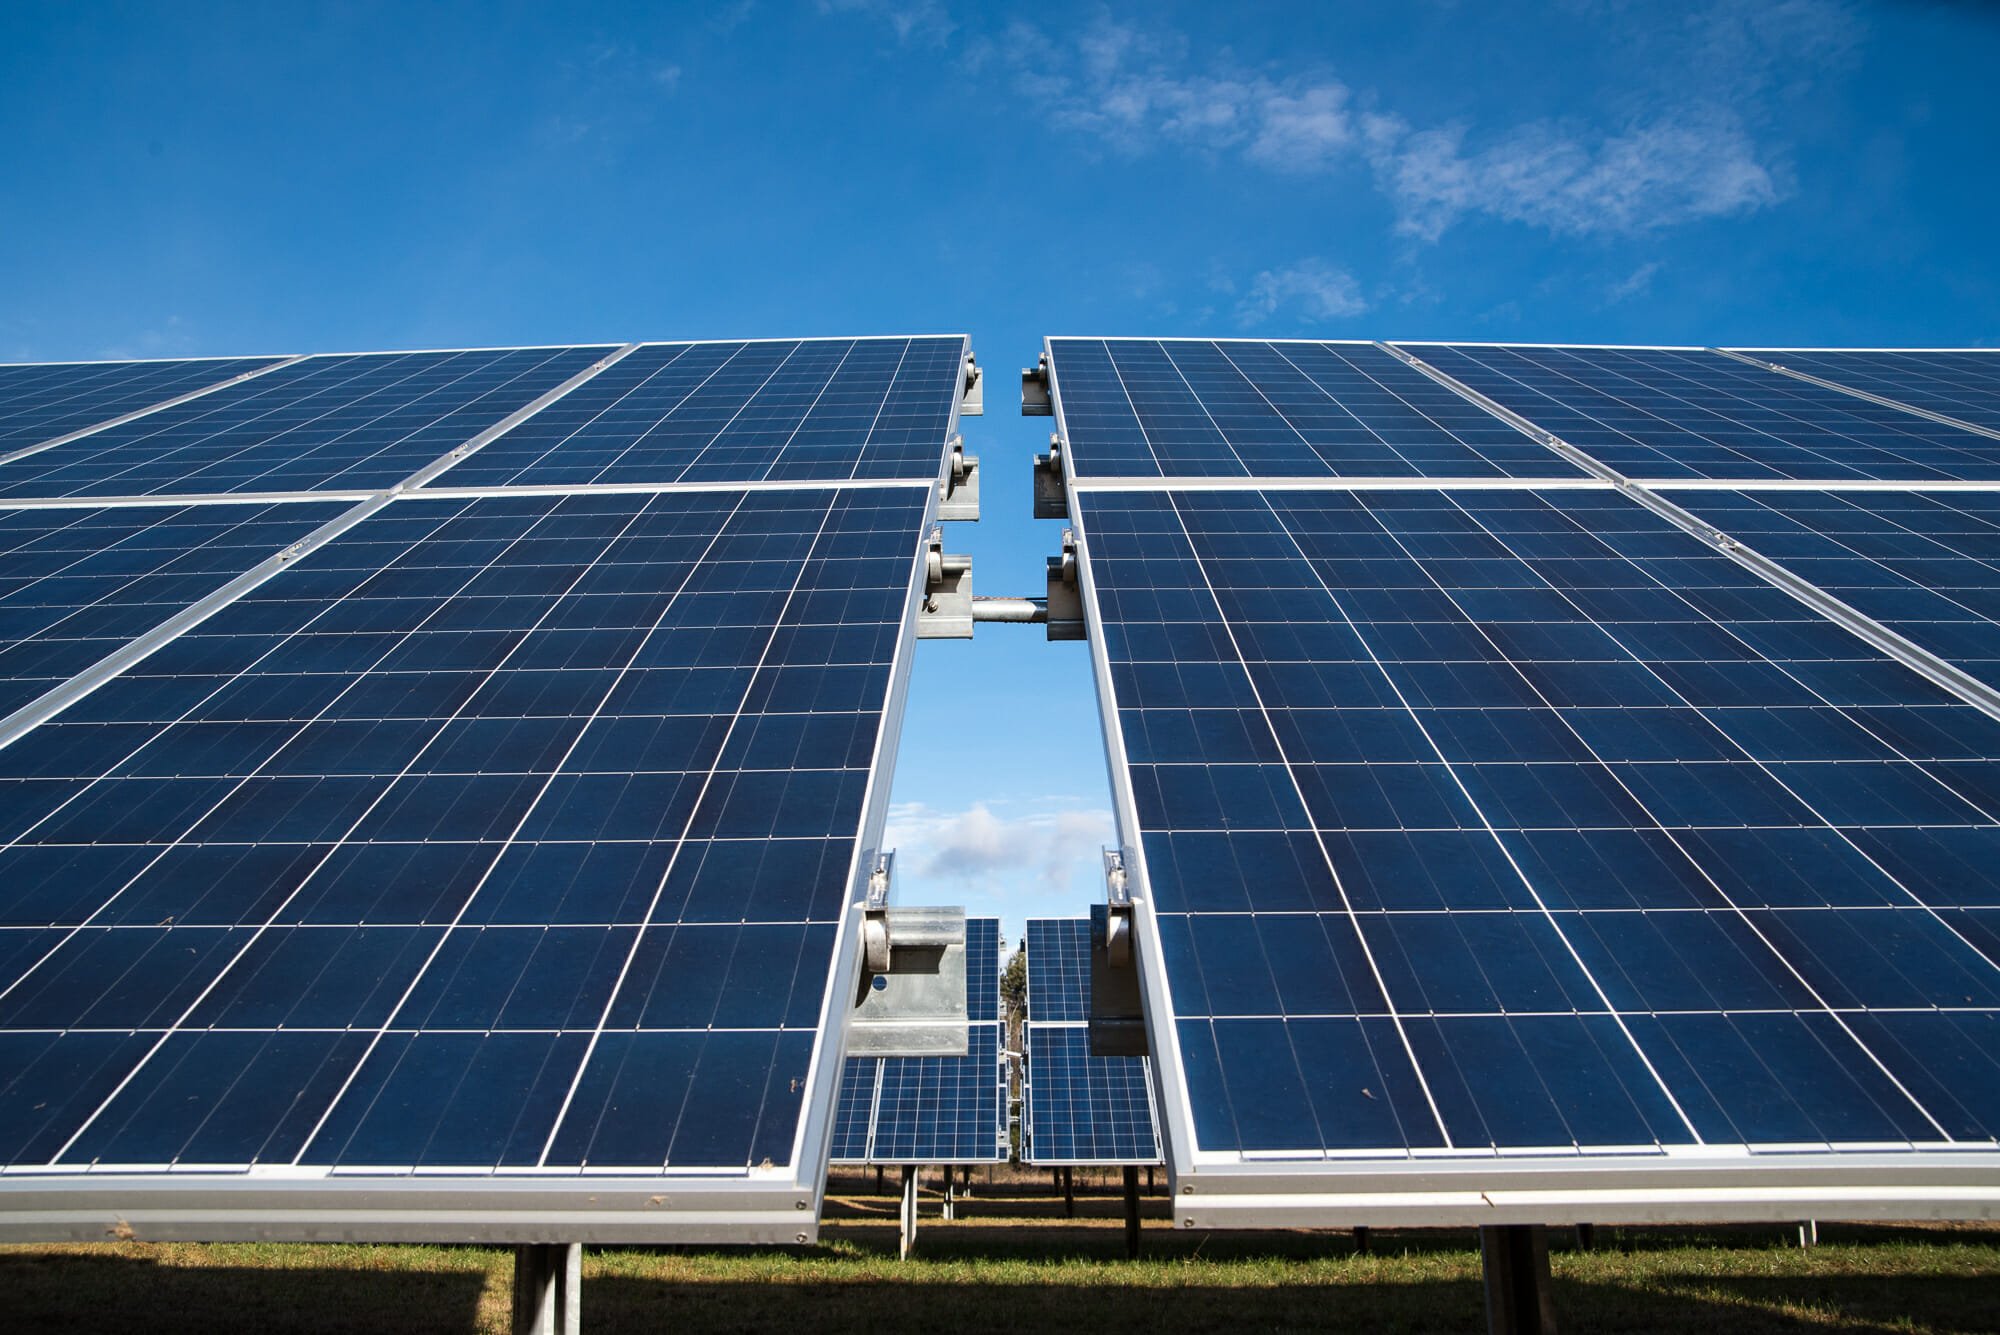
<point>106,1293</point>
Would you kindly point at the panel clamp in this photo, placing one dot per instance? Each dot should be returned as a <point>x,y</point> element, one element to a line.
<point>946,610</point>
<point>1117,1017</point>
<point>958,489</point>
<point>1051,490</point>
<point>1035,398</point>
<point>910,1000</point>
<point>972,394</point>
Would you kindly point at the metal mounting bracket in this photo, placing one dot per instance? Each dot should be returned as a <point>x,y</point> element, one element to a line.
<point>958,491</point>
<point>946,612</point>
<point>972,397</point>
<point>1035,400</point>
<point>1065,604</point>
<point>1051,491</point>
<point>911,998</point>
<point>1117,1019</point>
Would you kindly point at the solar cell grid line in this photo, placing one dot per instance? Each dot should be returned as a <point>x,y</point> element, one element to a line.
<point>935,1110</point>
<point>1962,384</point>
<point>1668,415</point>
<point>77,583</point>
<point>357,421</point>
<point>41,402</point>
<point>802,410</point>
<point>1077,1108</point>
<point>1924,564</point>
<point>1197,408</point>
<point>1610,840</point>
<point>489,1009</point>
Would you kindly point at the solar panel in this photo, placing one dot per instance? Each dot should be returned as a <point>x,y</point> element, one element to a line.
<point>356,422</point>
<point>794,410</point>
<point>1494,848</point>
<point>1196,408</point>
<point>935,1110</point>
<point>39,402</point>
<point>1681,413</point>
<point>490,861</point>
<point>1079,1109</point>
<point>1961,384</point>
<point>1926,565</point>
<point>76,584</point>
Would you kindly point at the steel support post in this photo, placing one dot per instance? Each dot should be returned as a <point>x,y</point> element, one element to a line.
<point>1361,1241</point>
<point>1586,1237</point>
<point>548,1288</point>
<point>1069,1192</point>
<point>950,1211</point>
<point>909,1239</point>
<point>1132,1212</point>
<point>1519,1298</point>
<point>1808,1232</point>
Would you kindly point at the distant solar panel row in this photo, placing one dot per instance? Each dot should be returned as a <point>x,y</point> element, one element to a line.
<point>1079,1109</point>
<point>39,402</point>
<point>934,1110</point>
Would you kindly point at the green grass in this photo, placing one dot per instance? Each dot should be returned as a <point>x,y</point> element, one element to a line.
<point>1015,1265</point>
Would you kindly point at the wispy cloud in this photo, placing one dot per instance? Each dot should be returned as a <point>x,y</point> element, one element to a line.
<point>1311,290</point>
<point>911,20</point>
<point>1634,283</point>
<point>997,847</point>
<point>1669,154</point>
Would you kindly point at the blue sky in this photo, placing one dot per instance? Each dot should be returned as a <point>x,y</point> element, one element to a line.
<point>186,179</point>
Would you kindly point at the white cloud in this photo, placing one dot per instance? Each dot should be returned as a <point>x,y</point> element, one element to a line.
<point>1674,152</point>
<point>1019,847</point>
<point>1647,177</point>
<point>1311,289</point>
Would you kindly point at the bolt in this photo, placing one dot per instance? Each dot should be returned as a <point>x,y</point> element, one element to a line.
<point>801,1238</point>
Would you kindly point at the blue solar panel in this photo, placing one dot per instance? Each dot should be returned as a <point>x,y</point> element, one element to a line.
<point>791,410</point>
<point>1666,413</point>
<point>1058,970</point>
<point>934,1110</point>
<point>39,402</point>
<point>1194,408</point>
<point>76,584</point>
<point>1078,1108</point>
<point>343,422</point>
<point>1959,384</point>
<point>506,833</point>
<point>1522,821</point>
<point>1926,565</point>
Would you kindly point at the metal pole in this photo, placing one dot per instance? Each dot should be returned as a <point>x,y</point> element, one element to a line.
<point>1519,1300</point>
<point>1132,1212</point>
<point>950,1211</point>
<point>1361,1241</point>
<point>1586,1237</point>
<point>909,1239</point>
<point>1069,1193</point>
<point>548,1288</point>
<point>878,1179</point>
<point>1808,1232</point>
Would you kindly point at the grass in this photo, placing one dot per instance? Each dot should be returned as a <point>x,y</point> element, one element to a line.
<point>1014,1263</point>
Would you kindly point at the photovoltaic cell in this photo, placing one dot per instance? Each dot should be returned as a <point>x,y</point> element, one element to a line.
<point>75,584</point>
<point>1960,384</point>
<point>1195,408</point>
<point>1522,821</point>
<point>1078,1108</point>
<point>39,402</point>
<point>1679,413</point>
<point>778,410</point>
<point>1926,565</point>
<point>359,422</point>
<point>508,834</point>
<point>934,1110</point>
